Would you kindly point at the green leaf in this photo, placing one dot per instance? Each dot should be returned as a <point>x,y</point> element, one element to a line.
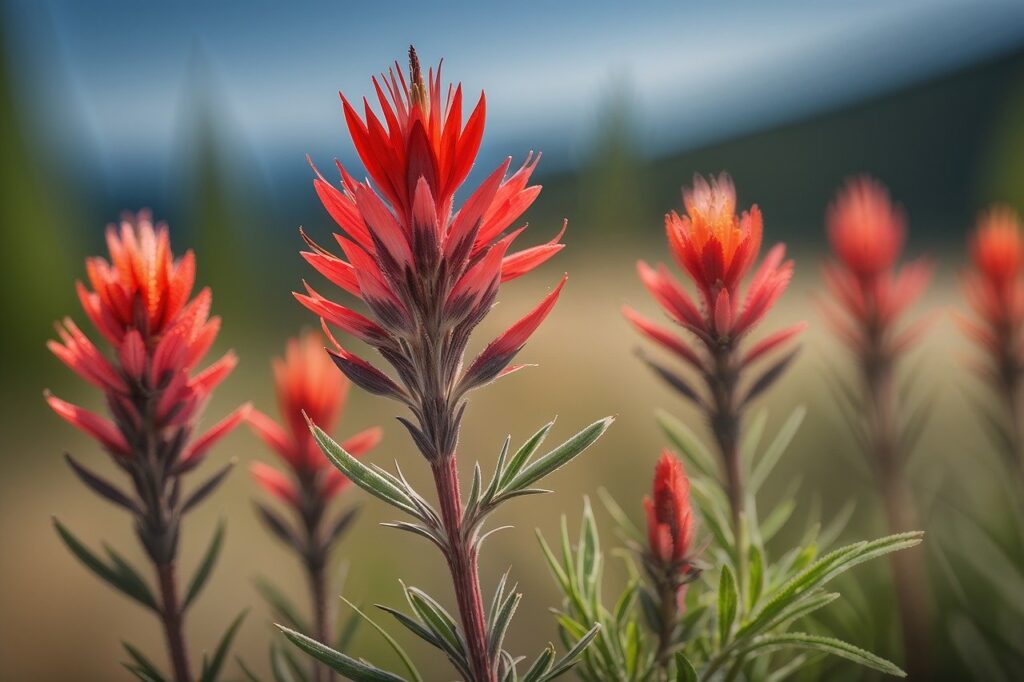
<point>246,670</point>
<point>282,607</point>
<point>588,560</point>
<point>281,666</point>
<point>501,622</point>
<point>339,662</point>
<point>143,663</point>
<point>752,437</point>
<point>363,476</point>
<point>684,669</point>
<point>773,452</point>
<point>523,454</point>
<point>829,645</point>
<point>755,577</point>
<point>727,600</point>
<point>570,658</point>
<point>688,444</point>
<point>211,669</point>
<point>406,661</point>
<point>121,577</point>
<point>206,565</point>
<point>541,665</point>
<point>435,617</point>
<point>558,457</point>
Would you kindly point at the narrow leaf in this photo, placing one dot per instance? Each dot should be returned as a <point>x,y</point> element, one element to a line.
<point>206,565</point>
<point>113,577</point>
<point>339,662</point>
<point>727,600</point>
<point>559,456</point>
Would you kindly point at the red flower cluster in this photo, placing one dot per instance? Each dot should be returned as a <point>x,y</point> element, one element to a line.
<point>867,232</point>
<point>669,517</point>
<point>307,383</point>
<point>670,531</point>
<point>428,273</point>
<point>140,302</point>
<point>717,248</point>
<point>994,287</point>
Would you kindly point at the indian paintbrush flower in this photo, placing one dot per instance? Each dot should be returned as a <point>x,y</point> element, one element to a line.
<point>995,291</point>
<point>870,296</point>
<point>428,272</point>
<point>670,534</point>
<point>141,303</point>
<point>717,248</point>
<point>307,384</point>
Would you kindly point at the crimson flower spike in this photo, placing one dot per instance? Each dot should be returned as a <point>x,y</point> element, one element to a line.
<point>994,289</point>
<point>870,296</point>
<point>307,384</point>
<point>428,272</point>
<point>717,248</point>
<point>141,303</point>
<point>668,557</point>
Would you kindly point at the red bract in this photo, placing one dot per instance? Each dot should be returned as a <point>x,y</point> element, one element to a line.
<point>140,304</point>
<point>427,271</point>
<point>669,516</point>
<point>306,383</point>
<point>870,293</point>
<point>994,288</point>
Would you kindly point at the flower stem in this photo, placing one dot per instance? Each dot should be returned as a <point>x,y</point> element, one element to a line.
<point>462,563</point>
<point>725,418</point>
<point>171,614</point>
<point>321,621</point>
<point>909,575</point>
<point>669,618</point>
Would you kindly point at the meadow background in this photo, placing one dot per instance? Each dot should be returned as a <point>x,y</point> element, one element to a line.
<point>204,113</point>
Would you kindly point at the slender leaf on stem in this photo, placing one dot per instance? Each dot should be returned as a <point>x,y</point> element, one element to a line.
<point>558,457</point>
<point>684,669</point>
<point>281,605</point>
<point>211,668</point>
<point>523,454</point>
<point>774,451</point>
<point>402,655</point>
<point>829,645</point>
<point>727,601</point>
<point>206,565</point>
<point>359,671</point>
<point>362,475</point>
<point>689,446</point>
<point>140,661</point>
<point>101,486</point>
<point>572,656</point>
<point>211,484</point>
<point>118,577</point>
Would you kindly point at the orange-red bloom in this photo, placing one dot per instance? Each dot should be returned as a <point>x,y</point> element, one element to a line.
<point>306,383</point>
<point>427,271</point>
<point>140,302</point>
<point>670,526</point>
<point>867,233</point>
<point>995,290</point>
<point>717,248</point>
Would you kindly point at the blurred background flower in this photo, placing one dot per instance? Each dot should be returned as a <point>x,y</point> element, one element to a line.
<point>205,112</point>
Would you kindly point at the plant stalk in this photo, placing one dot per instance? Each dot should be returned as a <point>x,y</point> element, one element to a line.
<point>724,416</point>
<point>171,615</point>
<point>462,563</point>
<point>910,577</point>
<point>321,620</point>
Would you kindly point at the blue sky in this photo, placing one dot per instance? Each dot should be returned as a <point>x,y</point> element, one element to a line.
<point>107,84</point>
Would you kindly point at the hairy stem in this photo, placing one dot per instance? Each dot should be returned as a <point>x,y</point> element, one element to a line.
<point>462,563</point>
<point>669,617</point>
<point>909,574</point>
<point>321,619</point>
<point>171,614</point>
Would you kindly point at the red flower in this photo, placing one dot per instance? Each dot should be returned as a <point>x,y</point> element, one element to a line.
<point>306,383</point>
<point>140,303</point>
<point>995,290</point>
<point>669,516</point>
<point>427,271</point>
<point>717,249</point>
<point>870,293</point>
<point>865,229</point>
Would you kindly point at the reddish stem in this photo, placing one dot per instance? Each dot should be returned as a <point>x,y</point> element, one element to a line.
<point>171,614</point>
<point>909,574</point>
<point>462,563</point>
